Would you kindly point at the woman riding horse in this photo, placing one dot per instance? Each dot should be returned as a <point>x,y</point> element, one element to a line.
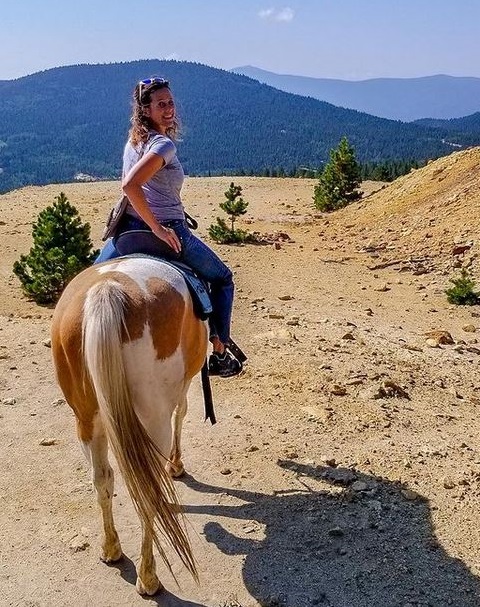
<point>152,181</point>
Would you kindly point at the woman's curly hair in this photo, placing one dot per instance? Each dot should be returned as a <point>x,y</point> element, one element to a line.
<point>141,124</point>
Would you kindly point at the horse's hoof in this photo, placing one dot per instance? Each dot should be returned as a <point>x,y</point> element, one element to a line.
<point>114,558</point>
<point>112,554</point>
<point>175,471</point>
<point>150,588</point>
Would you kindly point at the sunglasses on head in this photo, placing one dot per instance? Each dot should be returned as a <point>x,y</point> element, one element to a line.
<point>160,82</point>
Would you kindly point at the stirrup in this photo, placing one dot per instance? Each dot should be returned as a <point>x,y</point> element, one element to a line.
<point>236,351</point>
<point>225,365</point>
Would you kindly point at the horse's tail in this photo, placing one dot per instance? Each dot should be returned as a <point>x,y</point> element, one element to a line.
<point>139,460</point>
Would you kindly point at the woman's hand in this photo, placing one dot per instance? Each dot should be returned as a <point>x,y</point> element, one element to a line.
<point>169,236</point>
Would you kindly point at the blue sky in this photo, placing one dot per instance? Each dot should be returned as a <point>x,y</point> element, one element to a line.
<point>347,39</point>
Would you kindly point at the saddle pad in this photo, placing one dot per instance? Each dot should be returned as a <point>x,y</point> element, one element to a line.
<point>198,288</point>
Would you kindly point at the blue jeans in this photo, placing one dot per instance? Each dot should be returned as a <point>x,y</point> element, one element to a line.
<point>203,262</point>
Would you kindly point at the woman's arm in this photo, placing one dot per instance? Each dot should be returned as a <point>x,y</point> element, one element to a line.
<point>132,183</point>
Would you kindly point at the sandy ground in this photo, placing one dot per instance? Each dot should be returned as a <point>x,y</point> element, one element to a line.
<point>344,468</point>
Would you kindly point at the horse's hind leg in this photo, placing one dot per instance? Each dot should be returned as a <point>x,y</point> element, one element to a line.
<point>175,465</point>
<point>96,451</point>
<point>147,580</point>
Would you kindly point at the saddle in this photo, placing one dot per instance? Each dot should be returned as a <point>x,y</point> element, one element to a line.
<point>143,243</point>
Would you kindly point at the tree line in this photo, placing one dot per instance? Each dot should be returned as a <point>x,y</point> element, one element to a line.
<point>387,170</point>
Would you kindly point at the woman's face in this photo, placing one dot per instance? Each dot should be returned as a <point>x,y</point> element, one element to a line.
<point>161,110</point>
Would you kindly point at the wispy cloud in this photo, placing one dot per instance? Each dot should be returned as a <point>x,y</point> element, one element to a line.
<point>285,14</point>
<point>266,13</point>
<point>273,14</point>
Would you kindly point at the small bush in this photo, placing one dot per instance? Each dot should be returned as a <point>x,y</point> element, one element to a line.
<point>463,291</point>
<point>61,249</point>
<point>234,206</point>
<point>222,234</point>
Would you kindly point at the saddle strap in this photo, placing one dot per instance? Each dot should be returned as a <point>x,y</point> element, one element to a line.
<point>236,351</point>
<point>207,394</point>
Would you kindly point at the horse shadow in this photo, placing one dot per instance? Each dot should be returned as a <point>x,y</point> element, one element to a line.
<point>362,542</point>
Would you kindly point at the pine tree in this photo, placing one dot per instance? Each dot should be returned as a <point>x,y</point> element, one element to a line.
<point>339,181</point>
<point>61,249</point>
<point>234,206</point>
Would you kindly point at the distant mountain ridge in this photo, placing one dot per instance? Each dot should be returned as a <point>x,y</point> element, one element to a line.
<point>74,120</point>
<point>405,99</point>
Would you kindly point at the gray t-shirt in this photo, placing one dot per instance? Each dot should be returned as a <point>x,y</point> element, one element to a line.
<point>162,191</point>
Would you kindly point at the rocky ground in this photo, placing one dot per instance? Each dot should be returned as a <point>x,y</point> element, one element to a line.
<point>344,468</point>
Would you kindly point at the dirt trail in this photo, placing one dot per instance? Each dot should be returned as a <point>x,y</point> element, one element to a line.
<point>344,469</point>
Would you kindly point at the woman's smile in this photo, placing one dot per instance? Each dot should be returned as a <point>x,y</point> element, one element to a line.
<point>161,110</point>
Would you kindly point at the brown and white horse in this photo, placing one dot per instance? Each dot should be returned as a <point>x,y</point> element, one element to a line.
<point>126,344</point>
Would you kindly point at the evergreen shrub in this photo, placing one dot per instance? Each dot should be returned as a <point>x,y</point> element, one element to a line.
<point>234,206</point>
<point>339,181</point>
<point>61,249</point>
<point>463,291</point>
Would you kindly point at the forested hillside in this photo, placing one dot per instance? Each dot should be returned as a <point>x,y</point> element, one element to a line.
<point>61,122</point>
<point>459,131</point>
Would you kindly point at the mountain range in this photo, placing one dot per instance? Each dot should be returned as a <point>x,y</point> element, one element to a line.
<point>74,120</point>
<point>405,99</point>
